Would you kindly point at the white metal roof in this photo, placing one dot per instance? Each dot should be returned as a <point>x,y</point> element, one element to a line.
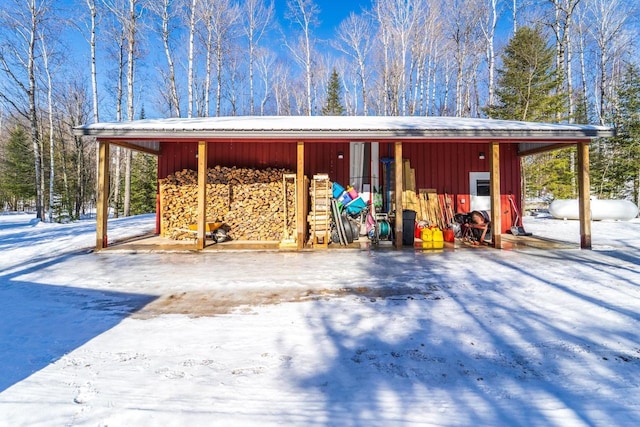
<point>353,128</point>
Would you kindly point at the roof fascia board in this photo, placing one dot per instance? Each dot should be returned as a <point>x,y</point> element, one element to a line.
<point>310,134</point>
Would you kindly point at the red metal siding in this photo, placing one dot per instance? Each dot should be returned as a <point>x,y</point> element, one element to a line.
<point>444,166</point>
<point>319,158</point>
<point>177,156</point>
<point>323,158</point>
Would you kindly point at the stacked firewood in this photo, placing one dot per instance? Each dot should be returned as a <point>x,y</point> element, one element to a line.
<point>249,202</point>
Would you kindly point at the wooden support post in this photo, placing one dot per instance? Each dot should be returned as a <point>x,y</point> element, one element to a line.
<point>202,195</point>
<point>102,208</point>
<point>584,196</point>
<point>301,213</point>
<point>398,177</point>
<point>494,179</point>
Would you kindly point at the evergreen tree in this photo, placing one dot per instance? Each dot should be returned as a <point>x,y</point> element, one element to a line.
<point>333,106</point>
<point>616,163</point>
<point>527,82</point>
<point>16,170</point>
<point>143,183</point>
<point>526,90</point>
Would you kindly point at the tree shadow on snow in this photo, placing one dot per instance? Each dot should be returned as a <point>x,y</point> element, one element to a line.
<point>40,323</point>
<point>472,344</point>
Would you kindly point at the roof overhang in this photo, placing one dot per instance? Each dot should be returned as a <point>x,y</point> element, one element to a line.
<point>148,134</point>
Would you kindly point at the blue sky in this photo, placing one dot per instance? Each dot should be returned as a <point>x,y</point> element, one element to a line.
<point>332,12</point>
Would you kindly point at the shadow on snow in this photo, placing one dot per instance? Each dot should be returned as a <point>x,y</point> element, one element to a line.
<point>499,359</point>
<point>40,323</point>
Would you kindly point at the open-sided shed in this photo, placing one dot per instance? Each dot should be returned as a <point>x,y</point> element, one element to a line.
<point>453,155</point>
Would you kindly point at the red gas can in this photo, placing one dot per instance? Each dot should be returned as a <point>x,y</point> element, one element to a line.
<point>449,235</point>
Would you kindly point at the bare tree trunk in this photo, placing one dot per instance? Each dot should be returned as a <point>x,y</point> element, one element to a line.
<point>91,4</point>
<point>257,18</point>
<point>65,177</point>
<point>52,170</point>
<point>562,25</point>
<point>489,33</point>
<point>192,31</point>
<point>163,11</point>
<point>207,18</point>
<point>131,46</point>
<point>609,17</point>
<point>119,117</point>
<point>572,109</point>
<point>266,60</point>
<point>33,114</point>
<point>385,40</point>
<point>354,38</point>
<point>583,68</point>
<point>304,13</point>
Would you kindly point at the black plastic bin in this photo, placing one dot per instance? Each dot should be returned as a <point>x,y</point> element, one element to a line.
<point>408,226</point>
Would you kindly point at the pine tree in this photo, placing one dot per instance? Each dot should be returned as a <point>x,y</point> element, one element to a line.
<point>333,106</point>
<point>526,91</point>
<point>143,183</point>
<point>16,170</point>
<point>616,164</point>
<point>527,82</point>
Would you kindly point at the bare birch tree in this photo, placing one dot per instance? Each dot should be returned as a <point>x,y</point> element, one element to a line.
<point>52,163</point>
<point>265,65</point>
<point>132,29</point>
<point>425,50</point>
<point>190,73</point>
<point>304,15</point>
<point>126,16</point>
<point>167,12</point>
<point>93,28</point>
<point>384,38</point>
<point>561,24</point>
<point>490,15</point>
<point>355,39</point>
<point>22,23</point>
<point>464,32</point>
<point>258,16</point>
<point>607,24</point>
<point>220,18</point>
<point>76,110</point>
<point>401,17</point>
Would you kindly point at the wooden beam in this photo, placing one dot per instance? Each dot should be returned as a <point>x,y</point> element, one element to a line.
<point>135,147</point>
<point>543,149</point>
<point>102,208</point>
<point>494,179</point>
<point>202,194</point>
<point>301,215</point>
<point>584,196</point>
<point>398,190</point>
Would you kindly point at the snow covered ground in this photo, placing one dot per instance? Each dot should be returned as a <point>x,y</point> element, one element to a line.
<point>335,338</point>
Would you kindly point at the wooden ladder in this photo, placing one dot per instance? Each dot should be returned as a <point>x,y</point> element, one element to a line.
<point>319,217</point>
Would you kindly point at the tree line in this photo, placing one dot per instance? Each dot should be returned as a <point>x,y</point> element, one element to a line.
<point>66,63</point>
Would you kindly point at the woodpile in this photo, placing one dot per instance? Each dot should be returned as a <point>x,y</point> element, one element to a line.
<point>250,202</point>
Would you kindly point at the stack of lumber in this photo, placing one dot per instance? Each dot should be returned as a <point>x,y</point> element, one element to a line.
<point>430,207</point>
<point>249,202</point>
<point>319,216</point>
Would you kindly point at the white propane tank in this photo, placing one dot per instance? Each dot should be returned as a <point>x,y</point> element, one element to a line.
<point>620,210</point>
